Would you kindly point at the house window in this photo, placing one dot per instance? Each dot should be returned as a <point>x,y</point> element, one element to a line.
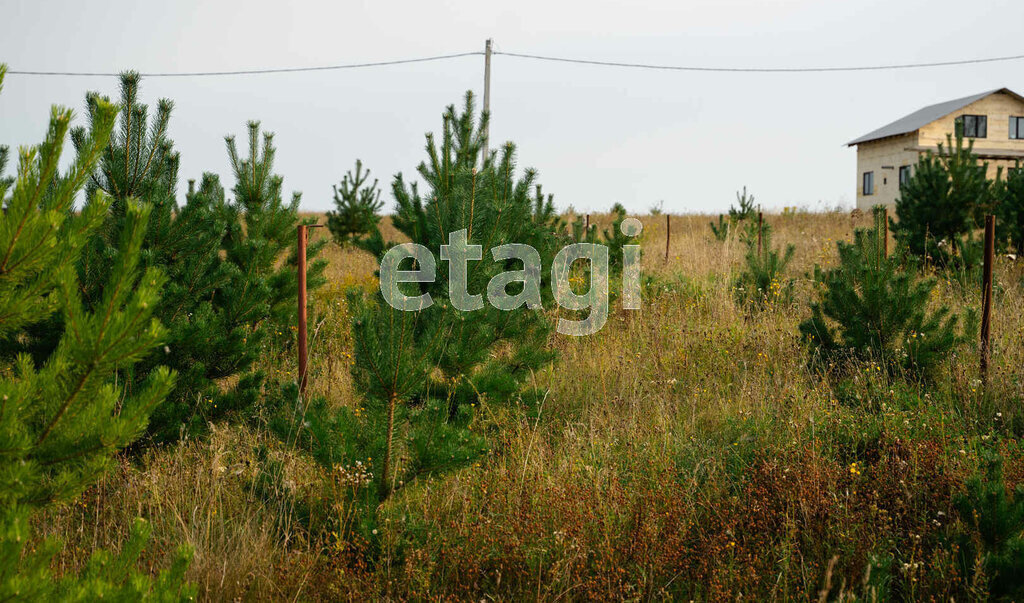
<point>1016,128</point>
<point>869,183</point>
<point>904,174</point>
<point>973,126</point>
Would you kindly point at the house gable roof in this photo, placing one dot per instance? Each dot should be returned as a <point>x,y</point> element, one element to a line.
<point>922,117</point>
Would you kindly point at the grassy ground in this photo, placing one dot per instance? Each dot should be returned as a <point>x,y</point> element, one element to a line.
<point>685,451</point>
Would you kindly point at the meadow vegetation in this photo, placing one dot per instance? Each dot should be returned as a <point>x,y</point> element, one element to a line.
<point>796,418</point>
<point>688,450</point>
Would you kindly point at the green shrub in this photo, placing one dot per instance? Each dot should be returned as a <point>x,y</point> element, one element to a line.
<point>991,531</point>
<point>1010,212</point>
<point>942,202</point>
<point>745,207</point>
<point>615,240</point>
<point>876,308</point>
<point>720,230</point>
<point>762,282</point>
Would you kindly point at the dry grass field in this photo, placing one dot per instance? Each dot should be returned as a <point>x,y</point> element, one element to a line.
<point>684,451</point>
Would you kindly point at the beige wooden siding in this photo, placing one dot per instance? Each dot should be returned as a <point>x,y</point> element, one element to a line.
<point>904,150</point>
<point>883,157</point>
<point>998,107</point>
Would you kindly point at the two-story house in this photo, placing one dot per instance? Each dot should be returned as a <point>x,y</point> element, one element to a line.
<point>886,157</point>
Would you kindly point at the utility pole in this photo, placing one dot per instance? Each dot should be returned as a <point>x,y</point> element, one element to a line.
<point>487,99</point>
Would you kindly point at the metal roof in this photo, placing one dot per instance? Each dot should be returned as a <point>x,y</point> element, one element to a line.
<point>927,115</point>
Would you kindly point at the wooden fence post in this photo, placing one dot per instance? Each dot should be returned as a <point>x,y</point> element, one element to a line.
<point>986,295</point>
<point>668,234</point>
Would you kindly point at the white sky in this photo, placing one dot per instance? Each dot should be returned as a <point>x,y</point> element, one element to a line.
<point>597,135</point>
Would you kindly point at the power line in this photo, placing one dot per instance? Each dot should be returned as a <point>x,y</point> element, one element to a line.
<point>759,69</point>
<point>537,57</point>
<point>255,71</point>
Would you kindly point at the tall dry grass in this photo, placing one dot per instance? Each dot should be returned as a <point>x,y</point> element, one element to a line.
<point>685,450</point>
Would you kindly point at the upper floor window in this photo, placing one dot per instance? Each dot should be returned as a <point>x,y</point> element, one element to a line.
<point>1017,128</point>
<point>904,174</point>
<point>973,126</point>
<point>868,185</point>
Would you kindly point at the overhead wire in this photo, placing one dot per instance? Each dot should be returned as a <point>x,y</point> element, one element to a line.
<point>535,57</point>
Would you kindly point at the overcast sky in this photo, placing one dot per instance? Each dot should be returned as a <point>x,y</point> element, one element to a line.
<point>596,135</point>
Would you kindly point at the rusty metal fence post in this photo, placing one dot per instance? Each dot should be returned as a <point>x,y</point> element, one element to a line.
<point>986,295</point>
<point>668,234</point>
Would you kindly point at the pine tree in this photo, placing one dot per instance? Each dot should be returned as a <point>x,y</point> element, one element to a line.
<point>264,235</point>
<point>63,416</point>
<point>942,201</point>
<point>253,300</point>
<point>577,232</point>
<point>391,365</point>
<point>1010,211</point>
<point>762,283</point>
<point>140,164</point>
<point>207,342</point>
<point>226,291</point>
<point>740,212</point>
<point>494,207</point>
<point>357,207</point>
<point>990,532</point>
<point>874,308</point>
<point>424,372</point>
<point>581,232</point>
<point>615,240</point>
<point>744,208</point>
<point>720,230</point>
